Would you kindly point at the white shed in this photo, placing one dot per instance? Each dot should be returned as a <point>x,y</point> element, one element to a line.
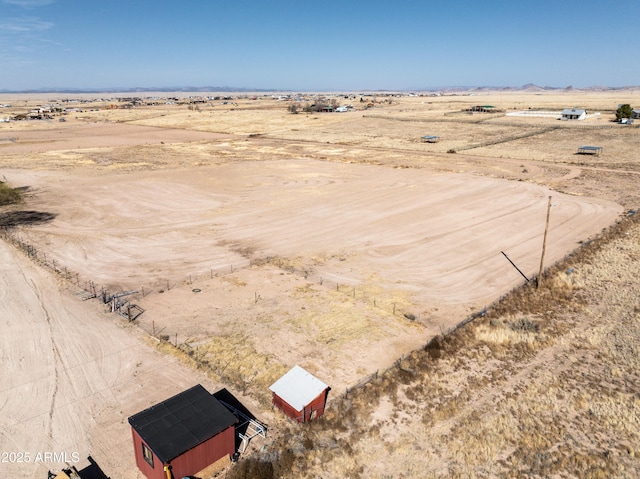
<point>573,114</point>
<point>300,395</point>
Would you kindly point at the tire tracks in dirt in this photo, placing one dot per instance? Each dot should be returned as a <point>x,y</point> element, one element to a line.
<point>572,170</point>
<point>57,359</point>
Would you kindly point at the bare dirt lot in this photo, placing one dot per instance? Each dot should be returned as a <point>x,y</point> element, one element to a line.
<point>71,377</point>
<point>258,240</point>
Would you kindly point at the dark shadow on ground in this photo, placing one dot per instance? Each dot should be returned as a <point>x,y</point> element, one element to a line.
<point>11,219</point>
<point>92,471</point>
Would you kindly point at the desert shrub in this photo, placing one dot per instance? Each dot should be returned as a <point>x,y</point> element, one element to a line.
<point>524,324</point>
<point>307,443</point>
<point>404,376</point>
<point>415,392</point>
<point>435,346</point>
<point>8,195</point>
<point>252,469</point>
<point>294,108</point>
<point>287,459</point>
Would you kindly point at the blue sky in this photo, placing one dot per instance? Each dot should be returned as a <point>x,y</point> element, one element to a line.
<point>313,45</point>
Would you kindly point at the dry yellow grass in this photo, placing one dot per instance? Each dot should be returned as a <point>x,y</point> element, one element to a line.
<point>498,398</point>
<point>563,407</point>
<point>502,334</point>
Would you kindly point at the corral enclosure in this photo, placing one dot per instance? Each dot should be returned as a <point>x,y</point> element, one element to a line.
<point>296,233</point>
<point>258,239</point>
<point>316,231</point>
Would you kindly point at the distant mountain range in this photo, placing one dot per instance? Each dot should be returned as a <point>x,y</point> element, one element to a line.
<point>182,89</point>
<point>530,87</point>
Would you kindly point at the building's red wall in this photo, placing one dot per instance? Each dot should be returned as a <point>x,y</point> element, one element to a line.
<point>316,405</point>
<point>286,408</point>
<point>306,414</point>
<point>157,472</point>
<point>204,454</point>
<point>192,461</point>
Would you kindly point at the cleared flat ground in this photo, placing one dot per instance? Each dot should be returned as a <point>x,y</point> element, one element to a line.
<point>304,248</point>
<point>71,376</point>
<point>417,242</point>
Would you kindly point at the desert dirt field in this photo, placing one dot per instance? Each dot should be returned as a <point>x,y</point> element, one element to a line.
<point>257,239</point>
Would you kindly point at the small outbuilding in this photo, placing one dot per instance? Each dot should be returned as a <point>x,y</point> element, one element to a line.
<point>300,395</point>
<point>484,109</point>
<point>573,114</point>
<point>430,139</point>
<point>590,150</point>
<point>185,433</point>
<point>635,114</point>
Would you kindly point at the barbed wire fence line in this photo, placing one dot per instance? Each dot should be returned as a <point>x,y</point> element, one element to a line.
<point>89,289</point>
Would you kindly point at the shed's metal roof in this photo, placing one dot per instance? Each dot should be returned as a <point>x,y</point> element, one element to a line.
<point>298,387</point>
<point>572,111</point>
<point>594,148</point>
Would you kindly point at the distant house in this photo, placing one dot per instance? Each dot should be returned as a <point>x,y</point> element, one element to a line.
<point>484,108</point>
<point>430,139</point>
<point>635,114</point>
<point>185,433</point>
<point>573,114</point>
<point>344,108</point>
<point>300,395</point>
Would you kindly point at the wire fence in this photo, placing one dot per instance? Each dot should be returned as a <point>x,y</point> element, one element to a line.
<point>123,302</point>
<point>88,290</point>
<point>48,261</point>
<point>491,119</point>
<point>505,139</point>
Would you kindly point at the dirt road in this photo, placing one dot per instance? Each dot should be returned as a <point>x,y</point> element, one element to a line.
<point>394,238</point>
<point>71,377</point>
<point>260,253</point>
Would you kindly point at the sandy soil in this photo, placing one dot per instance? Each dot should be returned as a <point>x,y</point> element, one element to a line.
<point>82,135</point>
<point>304,250</point>
<point>72,376</point>
<point>430,243</point>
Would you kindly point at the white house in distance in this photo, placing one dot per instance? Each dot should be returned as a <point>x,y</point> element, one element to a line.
<point>573,114</point>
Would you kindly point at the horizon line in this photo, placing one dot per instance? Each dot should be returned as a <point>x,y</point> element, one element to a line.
<point>204,89</point>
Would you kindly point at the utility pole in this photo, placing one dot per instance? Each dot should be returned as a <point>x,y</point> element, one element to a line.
<point>544,245</point>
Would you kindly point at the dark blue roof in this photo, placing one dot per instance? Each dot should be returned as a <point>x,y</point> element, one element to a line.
<point>180,423</point>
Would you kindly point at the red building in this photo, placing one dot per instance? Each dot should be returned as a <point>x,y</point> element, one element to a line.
<point>300,395</point>
<point>187,433</point>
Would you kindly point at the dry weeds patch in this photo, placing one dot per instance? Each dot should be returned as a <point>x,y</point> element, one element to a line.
<point>566,405</point>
